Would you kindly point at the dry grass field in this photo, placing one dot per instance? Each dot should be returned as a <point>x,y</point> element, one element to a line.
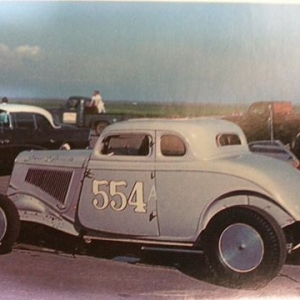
<point>148,109</point>
<point>155,109</point>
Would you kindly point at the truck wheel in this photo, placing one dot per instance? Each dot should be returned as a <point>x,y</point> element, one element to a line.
<point>65,146</point>
<point>99,127</point>
<point>244,247</point>
<point>9,224</point>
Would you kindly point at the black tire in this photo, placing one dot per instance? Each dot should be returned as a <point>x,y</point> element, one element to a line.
<point>9,224</point>
<point>99,127</point>
<point>244,247</point>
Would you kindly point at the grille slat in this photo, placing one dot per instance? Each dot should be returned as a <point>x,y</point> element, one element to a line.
<point>53,182</point>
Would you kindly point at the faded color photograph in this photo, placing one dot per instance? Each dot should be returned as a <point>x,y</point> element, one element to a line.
<point>149,150</point>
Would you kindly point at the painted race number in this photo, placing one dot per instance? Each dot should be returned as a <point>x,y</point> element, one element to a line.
<point>108,194</point>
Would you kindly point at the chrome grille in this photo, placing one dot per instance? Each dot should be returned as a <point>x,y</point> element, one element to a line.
<point>52,182</point>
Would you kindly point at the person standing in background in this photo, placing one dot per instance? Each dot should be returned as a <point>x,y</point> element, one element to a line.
<point>4,100</point>
<point>98,102</point>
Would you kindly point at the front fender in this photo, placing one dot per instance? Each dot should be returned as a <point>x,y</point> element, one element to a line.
<point>33,210</point>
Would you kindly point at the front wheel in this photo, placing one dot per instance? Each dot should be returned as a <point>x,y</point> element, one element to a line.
<point>244,247</point>
<point>9,224</point>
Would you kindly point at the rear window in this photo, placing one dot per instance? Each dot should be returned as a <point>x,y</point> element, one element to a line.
<point>228,140</point>
<point>42,122</point>
<point>24,121</point>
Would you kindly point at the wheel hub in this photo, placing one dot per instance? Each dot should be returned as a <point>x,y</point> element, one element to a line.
<point>241,247</point>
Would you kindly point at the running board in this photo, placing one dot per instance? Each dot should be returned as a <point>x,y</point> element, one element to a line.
<point>88,239</point>
<point>162,249</point>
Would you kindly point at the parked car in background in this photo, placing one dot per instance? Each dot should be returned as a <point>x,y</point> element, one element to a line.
<point>271,120</point>
<point>27,127</point>
<point>188,186</point>
<point>275,149</point>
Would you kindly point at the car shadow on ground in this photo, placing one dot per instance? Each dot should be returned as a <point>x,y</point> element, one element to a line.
<point>293,258</point>
<point>40,238</point>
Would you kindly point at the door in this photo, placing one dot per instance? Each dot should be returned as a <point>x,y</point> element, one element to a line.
<point>24,133</point>
<point>17,134</point>
<point>47,136</point>
<point>119,194</point>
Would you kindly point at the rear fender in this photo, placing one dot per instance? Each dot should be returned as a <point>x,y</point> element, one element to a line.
<point>245,199</point>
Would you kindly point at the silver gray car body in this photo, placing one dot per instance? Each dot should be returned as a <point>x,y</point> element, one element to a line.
<point>192,171</point>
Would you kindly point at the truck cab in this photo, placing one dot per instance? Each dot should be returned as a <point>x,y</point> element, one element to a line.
<point>77,111</point>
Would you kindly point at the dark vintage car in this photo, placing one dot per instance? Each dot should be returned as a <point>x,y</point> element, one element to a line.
<point>27,127</point>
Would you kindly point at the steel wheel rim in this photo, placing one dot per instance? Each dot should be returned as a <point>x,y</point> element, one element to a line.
<point>3,224</point>
<point>65,146</point>
<point>241,248</point>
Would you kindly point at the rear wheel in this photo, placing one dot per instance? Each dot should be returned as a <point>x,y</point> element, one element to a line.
<point>9,224</point>
<point>65,146</point>
<point>244,247</point>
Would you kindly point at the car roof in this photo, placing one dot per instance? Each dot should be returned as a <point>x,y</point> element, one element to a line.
<point>79,98</point>
<point>15,108</point>
<point>200,133</point>
<point>184,125</point>
<point>21,108</point>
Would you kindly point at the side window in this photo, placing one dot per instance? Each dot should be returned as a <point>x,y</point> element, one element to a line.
<point>172,145</point>
<point>4,120</point>
<point>24,121</point>
<point>228,140</point>
<point>42,122</point>
<point>126,144</point>
<point>258,109</point>
<point>72,103</point>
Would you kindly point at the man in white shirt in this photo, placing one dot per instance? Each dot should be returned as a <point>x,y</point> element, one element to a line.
<point>98,102</point>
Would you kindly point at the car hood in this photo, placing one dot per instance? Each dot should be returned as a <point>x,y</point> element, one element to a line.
<point>280,181</point>
<point>54,158</point>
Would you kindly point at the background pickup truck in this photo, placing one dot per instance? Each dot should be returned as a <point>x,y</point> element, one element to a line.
<point>77,111</point>
<point>271,120</point>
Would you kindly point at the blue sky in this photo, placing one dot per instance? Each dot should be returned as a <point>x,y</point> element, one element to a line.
<point>141,51</point>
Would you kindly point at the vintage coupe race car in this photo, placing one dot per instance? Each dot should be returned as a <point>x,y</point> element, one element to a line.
<point>169,185</point>
<point>26,127</point>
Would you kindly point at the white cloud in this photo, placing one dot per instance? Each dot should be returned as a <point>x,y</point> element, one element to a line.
<point>27,51</point>
<point>13,59</point>
<point>4,49</point>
